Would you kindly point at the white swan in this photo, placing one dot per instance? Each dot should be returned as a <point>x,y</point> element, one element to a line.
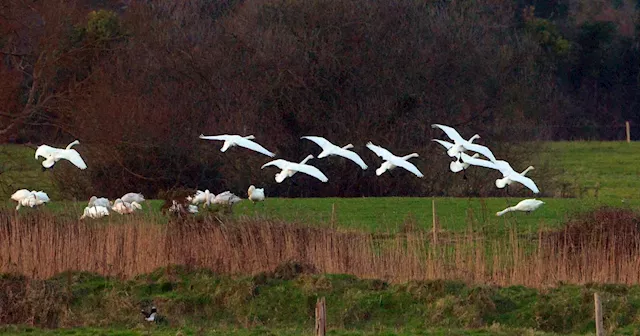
<point>236,140</point>
<point>458,165</point>
<point>132,197</point>
<point>95,211</point>
<point>53,155</point>
<point>255,194</point>
<point>392,161</point>
<point>290,168</point>
<point>205,197</point>
<point>102,201</point>
<point>527,205</point>
<point>124,208</point>
<point>330,149</point>
<point>460,144</point>
<point>508,174</point>
<point>227,198</point>
<point>26,198</point>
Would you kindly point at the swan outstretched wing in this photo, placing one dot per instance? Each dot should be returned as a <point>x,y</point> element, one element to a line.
<point>74,157</point>
<point>46,151</point>
<point>444,144</point>
<point>320,141</point>
<point>479,162</point>
<point>280,163</point>
<point>309,170</point>
<point>223,137</point>
<point>381,152</point>
<point>450,132</point>
<point>353,156</point>
<point>407,165</point>
<point>246,143</point>
<point>480,149</point>
<point>527,182</point>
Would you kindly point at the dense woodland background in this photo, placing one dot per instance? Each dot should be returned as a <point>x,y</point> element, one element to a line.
<point>137,81</point>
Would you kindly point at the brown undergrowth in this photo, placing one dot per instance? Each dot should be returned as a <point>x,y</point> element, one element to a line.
<point>603,247</point>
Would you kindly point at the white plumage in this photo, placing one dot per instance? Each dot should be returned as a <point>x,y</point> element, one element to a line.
<point>26,198</point>
<point>53,155</point>
<point>255,194</point>
<point>460,144</point>
<point>508,174</point>
<point>236,140</point>
<point>99,201</point>
<point>288,169</point>
<point>527,205</point>
<point>392,161</point>
<point>95,211</point>
<point>124,208</point>
<point>227,198</point>
<point>132,197</point>
<point>330,149</point>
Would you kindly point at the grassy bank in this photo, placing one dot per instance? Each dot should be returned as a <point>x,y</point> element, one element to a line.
<point>284,300</point>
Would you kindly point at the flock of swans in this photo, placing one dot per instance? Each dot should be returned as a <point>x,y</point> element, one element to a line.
<point>129,203</point>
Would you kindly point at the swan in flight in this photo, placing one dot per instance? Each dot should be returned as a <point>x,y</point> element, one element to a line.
<point>236,140</point>
<point>459,165</point>
<point>330,149</point>
<point>124,208</point>
<point>460,145</point>
<point>132,197</point>
<point>53,155</point>
<point>290,168</point>
<point>527,205</point>
<point>95,211</point>
<point>255,194</point>
<point>102,201</point>
<point>392,161</point>
<point>227,198</point>
<point>26,198</point>
<point>508,174</point>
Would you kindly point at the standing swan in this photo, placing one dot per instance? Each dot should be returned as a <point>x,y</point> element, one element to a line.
<point>527,205</point>
<point>236,140</point>
<point>255,194</point>
<point>392,161</point>
<point>290,168</point>
<point>330,149</point>
<point>460,144</point>
<point>53,155</point>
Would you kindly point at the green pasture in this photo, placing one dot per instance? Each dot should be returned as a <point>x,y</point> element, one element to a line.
<point>599,173</point>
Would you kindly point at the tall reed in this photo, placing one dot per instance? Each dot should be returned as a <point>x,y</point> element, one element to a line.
<point>603,248</point>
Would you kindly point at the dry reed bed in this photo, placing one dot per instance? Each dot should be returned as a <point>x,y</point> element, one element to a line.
<point>602,248</point>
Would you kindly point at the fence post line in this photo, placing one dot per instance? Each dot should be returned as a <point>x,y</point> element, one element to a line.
<point>435,222</point>
<point>628,128</point>
<point>321,317</point>
<point>598,314</point>
<point>333,214</point>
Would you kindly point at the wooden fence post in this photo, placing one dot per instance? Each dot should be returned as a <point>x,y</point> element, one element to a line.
<point>435,222</point>
<point>628,128</point>
<point>333,214</point>
<point>598,315</point>
<point>321,317</point>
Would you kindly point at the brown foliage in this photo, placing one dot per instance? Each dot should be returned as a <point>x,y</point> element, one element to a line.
<point>352,71</point>
<point>40,246</point>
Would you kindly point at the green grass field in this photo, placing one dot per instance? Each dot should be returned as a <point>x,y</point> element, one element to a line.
<point>581,165</point>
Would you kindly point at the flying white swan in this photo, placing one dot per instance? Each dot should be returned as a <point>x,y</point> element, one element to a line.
<point>124,208</point>
<point>227,198</point>
<point>330,149</point>
<point>527,205</point>
<point>508,174</point>
<point>95,211</point>
<point>132,197</point>
<point>460,144</point>
<point>236,140</point>
<point>255,194</point>
<point>53,155</point>
<point>459,165</point>
<point>102,201</point>
<point>392,161</point>
<point>290,168</point>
